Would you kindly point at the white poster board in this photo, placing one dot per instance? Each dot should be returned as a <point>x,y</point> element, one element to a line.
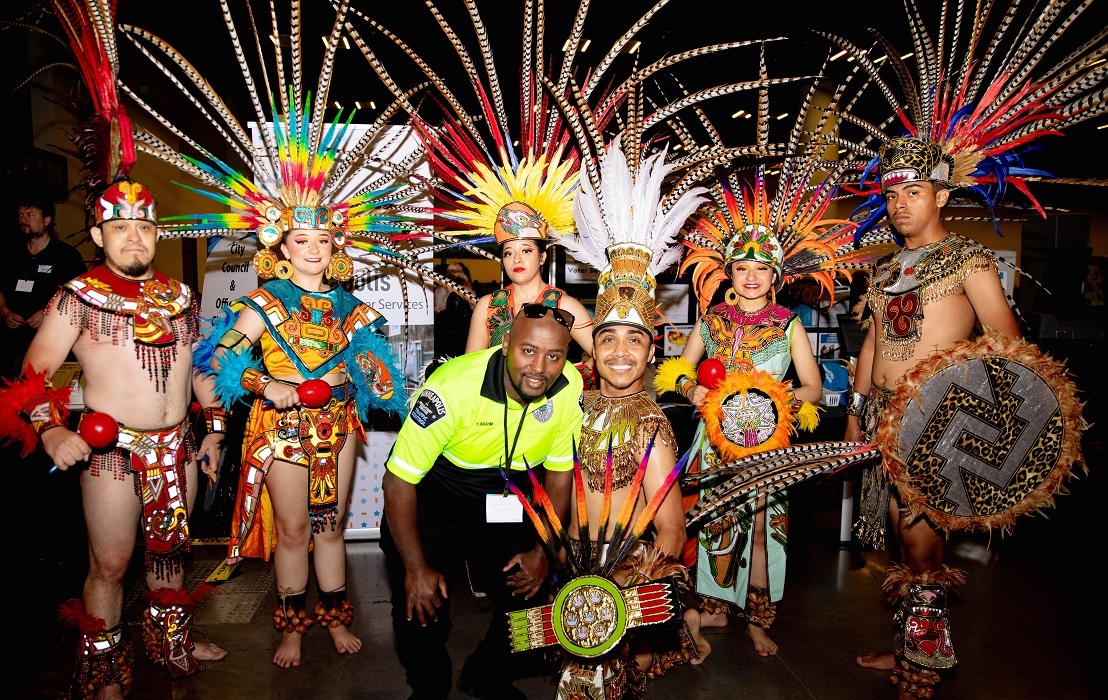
<point>672,303</point>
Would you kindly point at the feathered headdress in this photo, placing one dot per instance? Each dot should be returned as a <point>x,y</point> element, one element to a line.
<point>494,182</point>
<point>102,140</point>
<point>636,197</point>
<point>629,235</point>
<point>306,172</point>
<point>488,173</point>
<point>781,224</point>
<point>976,100</point>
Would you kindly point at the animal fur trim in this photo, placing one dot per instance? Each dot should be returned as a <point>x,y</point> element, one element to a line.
<point>899,577</point>
<point>1020,351</point>
<point>72,613</point>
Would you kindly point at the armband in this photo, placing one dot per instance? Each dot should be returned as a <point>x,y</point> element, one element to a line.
<point>232,339</point>
<point>44,412</point>
<point>215,420</point>
<point>684,383</point>
<point>28,407</point>
<point>856,406</point>
<point>255,381</point>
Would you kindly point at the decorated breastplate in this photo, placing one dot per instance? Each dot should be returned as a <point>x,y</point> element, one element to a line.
<point>158,312</point>
<point>732,335</point>
<point>502,311</point>
<point>909,279</point>
<point>310,327</point>
<point>627,422</point>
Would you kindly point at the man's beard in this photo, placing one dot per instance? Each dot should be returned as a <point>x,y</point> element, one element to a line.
<point>527,398</point>
<point>135,268</point>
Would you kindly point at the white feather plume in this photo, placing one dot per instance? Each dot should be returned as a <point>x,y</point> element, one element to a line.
<point>629,210</point>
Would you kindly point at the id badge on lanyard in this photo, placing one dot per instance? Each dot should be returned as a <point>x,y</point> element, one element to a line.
<point>505,507</point>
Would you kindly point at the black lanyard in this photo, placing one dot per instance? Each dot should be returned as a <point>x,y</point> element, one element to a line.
<point>515,442</point>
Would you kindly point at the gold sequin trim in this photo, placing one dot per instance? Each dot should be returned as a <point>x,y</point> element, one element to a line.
<point>910,279</point>
<point>631,422</point>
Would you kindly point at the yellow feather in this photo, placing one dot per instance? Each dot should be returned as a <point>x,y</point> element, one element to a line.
<point>807,416</point>
<point>673,368</point>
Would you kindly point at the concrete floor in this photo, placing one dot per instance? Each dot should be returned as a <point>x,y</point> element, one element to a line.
<point>1022,628</point>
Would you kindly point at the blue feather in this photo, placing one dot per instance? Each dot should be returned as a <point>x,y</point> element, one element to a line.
<point>228,378</point>
<point>212,329</point>
<point>367,342</point>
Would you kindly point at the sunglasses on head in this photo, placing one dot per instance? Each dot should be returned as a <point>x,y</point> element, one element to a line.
<point>564,318</point>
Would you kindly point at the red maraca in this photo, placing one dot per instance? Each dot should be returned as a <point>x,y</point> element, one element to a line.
<point>314,393</point>
<point>710,373</point>
<point>98,429</point>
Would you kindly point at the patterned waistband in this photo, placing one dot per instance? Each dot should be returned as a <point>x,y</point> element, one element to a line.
<point>154,447</point>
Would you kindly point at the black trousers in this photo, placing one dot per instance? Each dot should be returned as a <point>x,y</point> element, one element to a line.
<point>454,533</point>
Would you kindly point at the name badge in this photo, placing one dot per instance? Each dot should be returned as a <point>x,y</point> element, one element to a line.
<point>24,285</point>
<point>503,509</point>
<point>45,269</point>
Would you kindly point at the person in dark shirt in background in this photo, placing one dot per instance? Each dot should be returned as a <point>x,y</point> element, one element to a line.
<point>35,267</point>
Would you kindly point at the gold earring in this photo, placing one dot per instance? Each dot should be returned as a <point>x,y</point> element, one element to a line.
<point>283,269</point>
<point>341,267</point>
<point>731,297</point>
<point>264,263</point>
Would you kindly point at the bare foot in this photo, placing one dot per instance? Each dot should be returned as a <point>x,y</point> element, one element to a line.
<point>701,645</point>
<point>288,652</point>
<point>344,639</point>
<point>206,651</point>
<point>762,643</point>
<point>881,660</point>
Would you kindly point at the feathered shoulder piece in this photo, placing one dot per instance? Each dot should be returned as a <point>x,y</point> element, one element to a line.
<point>971,94</point>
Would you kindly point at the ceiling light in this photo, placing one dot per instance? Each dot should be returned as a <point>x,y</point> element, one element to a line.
<point>738,114</point>
<point>634,47</point>
<point>345,43</point>
<point>337,105</point>
<point>585,46</point>
<point>838,55</point>
<point>782,115</point>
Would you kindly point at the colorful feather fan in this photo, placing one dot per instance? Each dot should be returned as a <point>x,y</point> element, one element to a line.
<point>555,538</point>
<point>296,157</point>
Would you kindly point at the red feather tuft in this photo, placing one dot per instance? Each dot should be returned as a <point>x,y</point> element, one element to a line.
<point>72,613</point>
